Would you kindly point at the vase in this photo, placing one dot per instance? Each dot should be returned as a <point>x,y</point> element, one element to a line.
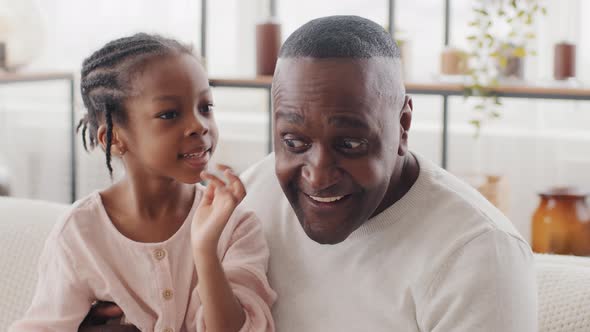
<point>268,44</point>
<point>561,223</point>
<point>513,66</point>
<point>21,32</point>
<point>564,61</point>
<point>495,188</point>
<point>453,62</point>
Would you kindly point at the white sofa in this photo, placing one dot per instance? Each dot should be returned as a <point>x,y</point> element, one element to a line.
<point>563,281</point>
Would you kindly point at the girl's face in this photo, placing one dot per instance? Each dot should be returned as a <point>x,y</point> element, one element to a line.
<point>170,132</point>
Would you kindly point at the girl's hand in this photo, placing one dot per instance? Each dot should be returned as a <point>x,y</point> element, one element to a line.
<point>217,205</point>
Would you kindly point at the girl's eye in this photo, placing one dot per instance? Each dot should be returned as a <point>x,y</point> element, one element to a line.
<point>206,108</point>
<point>168,115</point>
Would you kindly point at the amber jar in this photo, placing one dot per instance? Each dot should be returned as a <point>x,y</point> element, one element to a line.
<point>564,61</point>
<point>268,44</point>
<point>561,223</point>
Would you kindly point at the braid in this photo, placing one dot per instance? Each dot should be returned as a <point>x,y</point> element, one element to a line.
<point>100,80</point>
<point>105,82</point>
<point>83,122</point>
<point>109,120</point>
<point>114,58</point>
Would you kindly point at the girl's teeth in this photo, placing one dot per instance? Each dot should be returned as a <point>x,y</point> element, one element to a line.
<point>326,199</point>
<point>193,155</point>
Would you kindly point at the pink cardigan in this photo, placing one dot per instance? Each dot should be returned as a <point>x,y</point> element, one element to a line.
<point>87,259</point>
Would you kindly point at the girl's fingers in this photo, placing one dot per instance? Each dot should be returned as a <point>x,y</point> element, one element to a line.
<point>236,185</point>
<point>223,168</point>
<point>209,194</point>
<point>212,179</point>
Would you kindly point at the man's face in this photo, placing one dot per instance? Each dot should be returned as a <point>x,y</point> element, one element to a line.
<point>337,140</point>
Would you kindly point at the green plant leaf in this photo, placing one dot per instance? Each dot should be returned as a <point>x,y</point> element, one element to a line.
<point>519,52</point>
<point>477,125</point>
<point>530,35</point>
<point>544,11</point>
<point>472,37</point>
<point>482,11</point>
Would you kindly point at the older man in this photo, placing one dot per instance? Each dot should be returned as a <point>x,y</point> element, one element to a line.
<point>368,235</point>
<point>364,234</point>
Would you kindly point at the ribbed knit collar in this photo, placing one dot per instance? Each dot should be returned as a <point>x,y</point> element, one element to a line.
<point>412,200</point>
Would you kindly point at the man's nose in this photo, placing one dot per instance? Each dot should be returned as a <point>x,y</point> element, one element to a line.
<point>320,170</point>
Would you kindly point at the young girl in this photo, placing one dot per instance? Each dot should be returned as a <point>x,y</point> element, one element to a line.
<point>172,255</point>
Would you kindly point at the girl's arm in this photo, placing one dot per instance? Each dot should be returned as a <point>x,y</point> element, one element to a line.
<point>234,291</point>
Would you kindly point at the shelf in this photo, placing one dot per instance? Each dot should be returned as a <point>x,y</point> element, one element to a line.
<point>257,82</point>
<point>10,78</point>
<point>436,88</point>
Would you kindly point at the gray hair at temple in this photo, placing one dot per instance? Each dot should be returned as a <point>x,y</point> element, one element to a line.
<point>340,37</point>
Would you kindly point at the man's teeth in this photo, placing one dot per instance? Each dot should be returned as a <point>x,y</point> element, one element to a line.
<point>194,155</point>
<point>326,199</point>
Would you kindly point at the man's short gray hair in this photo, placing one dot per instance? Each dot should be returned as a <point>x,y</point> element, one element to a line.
<point>340,37</point>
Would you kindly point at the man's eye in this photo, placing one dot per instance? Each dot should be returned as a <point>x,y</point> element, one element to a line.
<point>294,143</point>
<point>352,144</point>
<point>169,115</point>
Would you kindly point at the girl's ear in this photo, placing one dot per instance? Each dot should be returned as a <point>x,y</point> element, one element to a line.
<point>117,144</point>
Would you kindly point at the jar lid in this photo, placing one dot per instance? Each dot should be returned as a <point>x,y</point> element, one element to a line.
<point>564,192</point>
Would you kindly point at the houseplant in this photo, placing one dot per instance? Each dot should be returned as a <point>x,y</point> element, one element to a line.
<point>502,31</point>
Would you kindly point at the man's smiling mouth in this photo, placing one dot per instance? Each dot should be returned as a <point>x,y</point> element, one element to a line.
<point>326,199</point>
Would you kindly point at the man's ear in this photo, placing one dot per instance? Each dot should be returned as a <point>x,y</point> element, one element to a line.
<point>117,144</point>
<point>405,120</point>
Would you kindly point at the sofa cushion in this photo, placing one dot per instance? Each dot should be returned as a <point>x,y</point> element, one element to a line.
<point>564,293</point>
<point>24,225</point>
<point>563,281</point>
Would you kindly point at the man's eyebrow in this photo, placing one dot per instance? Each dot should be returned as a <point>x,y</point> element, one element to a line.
<point>290,117</point>
<point>344,121</point>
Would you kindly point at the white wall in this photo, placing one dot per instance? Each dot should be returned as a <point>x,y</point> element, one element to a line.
<point>536,143</point>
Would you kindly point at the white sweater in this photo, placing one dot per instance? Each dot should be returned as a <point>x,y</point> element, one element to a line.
<point>440,259</point>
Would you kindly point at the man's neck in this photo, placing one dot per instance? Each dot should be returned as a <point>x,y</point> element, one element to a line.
<point>408,174</point>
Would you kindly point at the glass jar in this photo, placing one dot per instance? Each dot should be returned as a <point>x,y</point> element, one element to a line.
<point>561,223</point>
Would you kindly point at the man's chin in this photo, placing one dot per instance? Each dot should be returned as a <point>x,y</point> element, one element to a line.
<point>325,235</point>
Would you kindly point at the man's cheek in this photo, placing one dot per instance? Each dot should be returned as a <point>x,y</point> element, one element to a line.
<point>368,174</point>
<point>285,172</point>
